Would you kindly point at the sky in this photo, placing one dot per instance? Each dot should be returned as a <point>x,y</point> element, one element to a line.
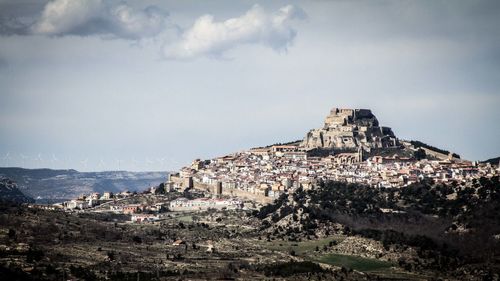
<point>151,85</point>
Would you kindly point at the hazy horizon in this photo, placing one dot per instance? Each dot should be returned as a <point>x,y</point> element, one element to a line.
<point>151,85</point>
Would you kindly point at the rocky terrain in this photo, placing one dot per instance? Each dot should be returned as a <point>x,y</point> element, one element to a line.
<point>334,231</point>
<point>48,185</point>
<point>423,227</point>
<point>49,245</point>
<point>10,193</point>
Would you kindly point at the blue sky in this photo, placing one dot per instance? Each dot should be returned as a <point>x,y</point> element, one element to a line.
<point>151,85</point>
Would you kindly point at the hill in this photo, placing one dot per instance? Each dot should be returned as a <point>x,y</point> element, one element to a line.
<point>54,185</point>
<point>10,193</point>
<point>493,161</point>
<point>448,227</point>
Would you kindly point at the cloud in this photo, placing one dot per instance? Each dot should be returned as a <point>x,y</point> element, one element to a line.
<point>91,17</point>
<point>132,23</point>
<point>110,19</point>
<point>206,37</point>
<point>61,17</point>
<point>11,26</point>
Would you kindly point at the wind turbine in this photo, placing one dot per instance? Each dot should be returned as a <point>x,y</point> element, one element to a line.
<point>85,162</point>
<point>135,163</point>
<point>39,159</point>
<point>66,162</point>
<point>101,164</point>
<point>118,162</point>
<point>23,158</point>
<point>54,159</point>
<point>7,158</point>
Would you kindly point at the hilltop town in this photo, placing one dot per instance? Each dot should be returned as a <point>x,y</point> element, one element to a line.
<point>350,201</point>
<point>351,147</point>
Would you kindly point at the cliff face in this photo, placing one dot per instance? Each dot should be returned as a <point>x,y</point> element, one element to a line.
<point>10,193</point>
<point>350,129</point>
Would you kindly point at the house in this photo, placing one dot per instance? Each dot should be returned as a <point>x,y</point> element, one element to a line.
<point>95,196</point>
<point>130,209</point>
<point>77,204</point>
<point>138,218</point>
<point>107,195</point>
<point>178,203</point>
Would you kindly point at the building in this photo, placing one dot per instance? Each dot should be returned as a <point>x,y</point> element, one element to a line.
<point>131,209</point>
<point>141,218</point>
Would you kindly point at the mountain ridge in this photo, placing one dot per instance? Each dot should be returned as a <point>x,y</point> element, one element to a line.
<point>70,183</point>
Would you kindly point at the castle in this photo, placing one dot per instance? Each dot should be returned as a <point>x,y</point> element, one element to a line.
<point>348,129</point>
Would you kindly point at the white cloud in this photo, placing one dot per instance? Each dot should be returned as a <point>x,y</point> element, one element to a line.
<point>89,17</point>
<point>256,26</point>
<point>133,23</point>
<point>61,16</point>
<point>206,37</point>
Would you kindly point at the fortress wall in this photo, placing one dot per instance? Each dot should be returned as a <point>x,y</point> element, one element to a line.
<point>203,186</point>
<point>176,179</point>
<point>233,192</point>
<point>436,154</point>
<point>247,195</point>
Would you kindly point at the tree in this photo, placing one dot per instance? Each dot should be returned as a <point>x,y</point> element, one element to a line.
<point>111,255</point>
<point>137,239</point>
<point>12,233</point>
<point>419,154</point>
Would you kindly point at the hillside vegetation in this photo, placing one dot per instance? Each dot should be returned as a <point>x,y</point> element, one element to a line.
<point>450,227</point>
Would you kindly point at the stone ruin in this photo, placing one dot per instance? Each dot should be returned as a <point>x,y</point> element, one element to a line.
<point>349,129</point>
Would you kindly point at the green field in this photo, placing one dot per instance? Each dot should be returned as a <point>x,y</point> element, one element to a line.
<point>354,262</point>
<point>186,218</point>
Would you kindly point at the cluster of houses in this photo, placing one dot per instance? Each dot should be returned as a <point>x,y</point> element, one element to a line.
<point>184,204</point>
<point>92,200</point>
<point>268,172</point>
<point>140,213</point>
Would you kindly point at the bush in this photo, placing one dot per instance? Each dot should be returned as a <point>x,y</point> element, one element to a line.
<point>111,255</point>
<point>34,255</point>
<point>137,239</point>
<point>291,268</point>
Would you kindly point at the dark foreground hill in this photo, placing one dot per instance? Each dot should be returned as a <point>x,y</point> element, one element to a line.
<point>453,229</point>
<point>53,185</point>
<point>10,193</point>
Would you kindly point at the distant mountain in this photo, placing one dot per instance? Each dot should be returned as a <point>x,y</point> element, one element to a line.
<point>10,193</point>
<point>54,185</point>
<point>494,161</point>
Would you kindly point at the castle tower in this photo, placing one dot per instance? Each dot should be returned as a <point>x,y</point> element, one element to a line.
<point>349,129</point>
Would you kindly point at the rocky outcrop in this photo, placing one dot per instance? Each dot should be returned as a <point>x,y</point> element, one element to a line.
<point>350,129</point>
<point>10,193</point>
